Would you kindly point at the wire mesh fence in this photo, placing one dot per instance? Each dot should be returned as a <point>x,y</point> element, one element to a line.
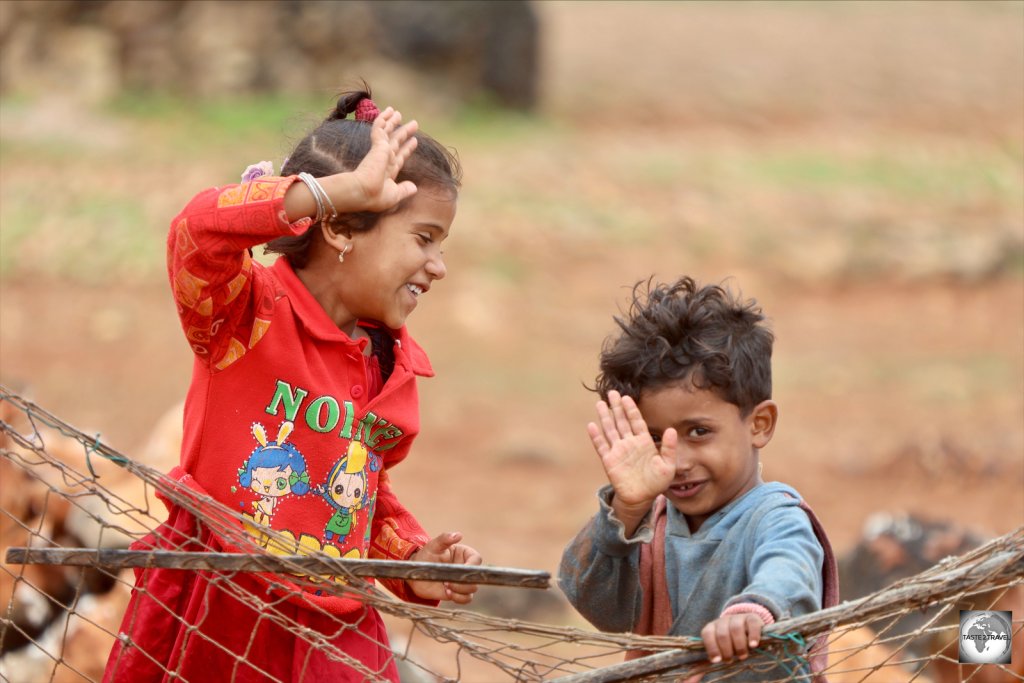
<point>71,506</point>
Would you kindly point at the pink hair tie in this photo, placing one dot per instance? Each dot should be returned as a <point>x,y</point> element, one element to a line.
<point>366,110</point>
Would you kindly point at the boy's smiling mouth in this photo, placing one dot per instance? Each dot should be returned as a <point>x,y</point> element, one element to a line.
<point>686,489</point>
<point>415,289</point>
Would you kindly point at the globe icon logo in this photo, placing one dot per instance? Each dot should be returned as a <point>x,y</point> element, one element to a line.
<point>985,637</point>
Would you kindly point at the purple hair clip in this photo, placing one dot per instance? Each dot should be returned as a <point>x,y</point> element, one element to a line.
<point>366,110</point>
<point>254,171</point>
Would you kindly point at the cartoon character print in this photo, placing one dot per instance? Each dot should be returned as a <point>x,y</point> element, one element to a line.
<point>347,490</point>
<point>273,471</point>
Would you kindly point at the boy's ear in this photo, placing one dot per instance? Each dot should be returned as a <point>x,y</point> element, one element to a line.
<point>763,419</point>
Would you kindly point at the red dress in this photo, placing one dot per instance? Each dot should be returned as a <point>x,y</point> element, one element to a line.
<point>288,423</point>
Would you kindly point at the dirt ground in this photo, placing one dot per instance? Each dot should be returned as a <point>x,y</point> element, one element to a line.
<point>919,435</point>
<point>900,377</point>
<point>516,474</point>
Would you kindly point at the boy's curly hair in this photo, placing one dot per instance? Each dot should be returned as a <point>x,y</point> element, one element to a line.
<point>703,335</point>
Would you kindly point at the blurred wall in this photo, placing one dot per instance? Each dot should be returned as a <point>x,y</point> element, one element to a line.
<point>210,48</point>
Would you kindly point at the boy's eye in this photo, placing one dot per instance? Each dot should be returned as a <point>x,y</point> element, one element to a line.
<point>656,438</point>
<point>425,238</point>
<point>697,432</point>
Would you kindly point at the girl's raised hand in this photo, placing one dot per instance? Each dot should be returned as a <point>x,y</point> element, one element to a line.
<point>391,145</point>
<point>636,468</point>
<point>446,548</point>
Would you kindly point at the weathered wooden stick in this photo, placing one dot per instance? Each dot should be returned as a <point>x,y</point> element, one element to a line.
<point>281,564</point>
<point>645,666</point>
<point>919,592</point>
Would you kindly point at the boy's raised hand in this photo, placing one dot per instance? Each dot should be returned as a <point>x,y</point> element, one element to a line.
<point>391,145</point>
<point>446,548</point>
<point>636,468</point>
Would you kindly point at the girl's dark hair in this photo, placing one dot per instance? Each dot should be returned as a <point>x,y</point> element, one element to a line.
<point>682,332</point>
<point>339,144</point>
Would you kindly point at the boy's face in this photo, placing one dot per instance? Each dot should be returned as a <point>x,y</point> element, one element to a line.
<point>716,459</point>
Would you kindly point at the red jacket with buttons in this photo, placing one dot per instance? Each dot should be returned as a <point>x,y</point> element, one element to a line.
<point>280,423</point>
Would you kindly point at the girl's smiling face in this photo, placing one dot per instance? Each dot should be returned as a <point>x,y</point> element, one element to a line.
<point>390,266</point>
<point>717,455</point>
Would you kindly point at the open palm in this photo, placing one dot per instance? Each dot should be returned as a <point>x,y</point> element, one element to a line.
<point>391,145</point>
<point>636,468</point>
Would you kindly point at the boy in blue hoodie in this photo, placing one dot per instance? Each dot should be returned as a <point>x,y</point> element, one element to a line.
<point>689,540</point>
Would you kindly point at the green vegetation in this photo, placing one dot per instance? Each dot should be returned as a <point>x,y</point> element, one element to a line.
<point>87,195</point>
<point>253,118</point>
<point>910,174</point>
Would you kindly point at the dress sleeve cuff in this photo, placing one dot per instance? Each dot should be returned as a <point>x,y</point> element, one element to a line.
<point>302,224</point>
<point>750,608</point>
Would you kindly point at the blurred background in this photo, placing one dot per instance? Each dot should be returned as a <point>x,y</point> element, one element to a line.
<point>857,167</point>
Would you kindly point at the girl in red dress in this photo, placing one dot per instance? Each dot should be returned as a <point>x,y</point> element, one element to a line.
<point>303,396</point>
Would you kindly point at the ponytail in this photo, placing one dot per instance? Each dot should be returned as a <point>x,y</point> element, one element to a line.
<point>348,103</point>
